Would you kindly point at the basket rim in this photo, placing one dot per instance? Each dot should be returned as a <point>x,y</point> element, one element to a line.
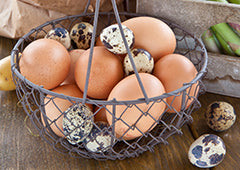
<point>198,77</point>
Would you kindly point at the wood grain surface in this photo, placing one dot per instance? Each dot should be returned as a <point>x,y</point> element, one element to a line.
<point>231,137</point>
<point>22,149</point>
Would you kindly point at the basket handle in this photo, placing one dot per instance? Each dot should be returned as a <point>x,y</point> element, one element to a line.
<point>87,7</point>
<point>95,22</point>
<point>128,50</point>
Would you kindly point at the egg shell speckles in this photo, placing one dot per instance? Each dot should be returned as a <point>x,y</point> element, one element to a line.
<point>99,139</point>
<point>142,59</point>
<point>61,35</point>
<point>77,123</point>
<point>112,39</point>
<point>220,116</point>
<point>207,151</point>
<point>81,35</point>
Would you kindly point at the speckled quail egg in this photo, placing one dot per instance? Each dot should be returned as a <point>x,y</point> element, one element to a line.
<point>81,35</point>
<point>99,139</point>
<point>220,116</point>
<point>142,59</point>
<point>207,151</point>
<point>77,123</point>
<point>112,39</point>
<point>61,35</point>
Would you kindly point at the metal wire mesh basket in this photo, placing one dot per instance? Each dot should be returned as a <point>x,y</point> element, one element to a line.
<point>33,97</point>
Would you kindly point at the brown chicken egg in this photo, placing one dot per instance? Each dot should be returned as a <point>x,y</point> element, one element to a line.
<point>134,120</point>
<point>173,71</point>
<point>54,107</point>
<point>105,73</point>
<point>45,62</point>
<point>74,54</point>
<point>153,35</point>
<point>100,114</point>
<point>99,43</point>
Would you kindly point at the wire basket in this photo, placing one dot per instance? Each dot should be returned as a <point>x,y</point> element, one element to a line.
<point>33,97</point>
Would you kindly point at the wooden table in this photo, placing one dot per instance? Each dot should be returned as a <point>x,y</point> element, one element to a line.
<point>20,149</point>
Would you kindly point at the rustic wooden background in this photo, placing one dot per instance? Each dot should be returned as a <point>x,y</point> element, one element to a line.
<point>20,149</point>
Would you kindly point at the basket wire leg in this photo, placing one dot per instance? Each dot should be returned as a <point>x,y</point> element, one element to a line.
<point>128,50</point>
<point>184,94</point>
<point>113,121</point>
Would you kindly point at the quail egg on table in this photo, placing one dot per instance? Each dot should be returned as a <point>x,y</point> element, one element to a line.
<point>220,116</point>
<point>61,35</point>
<point>112,39</point>
<point>77,123</point>
<point>207,151</point>
<point>81,35</point>
<point>142,59</point>
<point>99,139</point>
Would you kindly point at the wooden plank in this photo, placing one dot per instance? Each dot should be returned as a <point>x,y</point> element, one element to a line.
<point>6,45</point>
<point>223,75</point>
<point>21,149</point>
<point>190,13</point>
<point>231,137</point>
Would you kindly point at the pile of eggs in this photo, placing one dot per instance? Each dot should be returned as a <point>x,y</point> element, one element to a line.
<point>59,63</point>
<point>209,150</point>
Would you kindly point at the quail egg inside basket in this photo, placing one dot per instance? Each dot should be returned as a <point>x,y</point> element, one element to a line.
<point>81,35</point>
<point>77,123</point>
<point>61,35</point>
<point>112,39</point>
<point>99,139</point>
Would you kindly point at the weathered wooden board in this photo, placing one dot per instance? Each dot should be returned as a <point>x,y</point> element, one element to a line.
<point>193,15</point>
<point>196,16</point>
<point>20,149</point>
<point>223,75</point>
<point>231,137</point>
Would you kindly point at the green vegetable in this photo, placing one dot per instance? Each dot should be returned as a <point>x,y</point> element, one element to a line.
<point>210,42</point>
<point>226,34</point>
<point>226,48</point>
<point>235,28</point>
<point>224,1</point>
<point>224,31</point>
<point>234,1</point>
